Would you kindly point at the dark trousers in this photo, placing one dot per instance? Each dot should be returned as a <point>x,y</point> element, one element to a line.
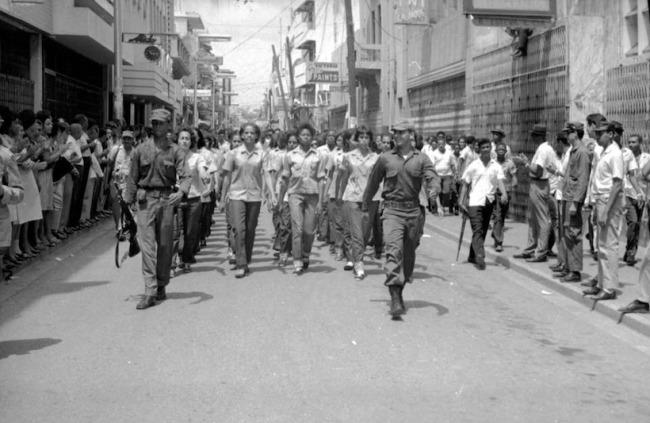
<point>479,219</point>
<point>78,191</point>
<point>633,215</point>
<point>189,215</point>
<point>245,215</point>
<point>356,230</point>
<point>553,234</point>
<point>374,218</point>
<point>275,215</point>
<point>324,221</point>
<point>571,254</point>
<point>499,216</point>
<point>206,219</point>
<point>284,232</point>
<point>402,232</point>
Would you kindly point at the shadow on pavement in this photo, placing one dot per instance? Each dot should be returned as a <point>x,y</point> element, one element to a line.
<point>201,296</point>
<point>24,346</point>
<point>67,287</point>
<point>442,310</point>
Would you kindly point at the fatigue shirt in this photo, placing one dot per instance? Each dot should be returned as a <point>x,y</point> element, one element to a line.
<point>402,177</point>
<point>358,168</point>
<point>153,169</point>
<point>246,168</point>
<point>610,165</point>
<point>576,174</point>
<point>304,170</point>
<point>12,184</point>
<point>483,181</point>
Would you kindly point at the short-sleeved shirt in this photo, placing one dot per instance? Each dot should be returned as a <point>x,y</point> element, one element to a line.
<point>83,141</point>
<point>358,168</point>
<point>468,155</point>
<point>509,169</point>
<point>442,162</point>
<point>642,159</point>
<point>246,168</point>
<point>610,165</point>
<point>335,158</point>
<point>304,170</point>
<point>73,154</point>
<point>484,181</point>
<point>197,164</point>
<point>630,165</point>
<point>554,180</point>
<point>544,157</point>
<point>122,167</point>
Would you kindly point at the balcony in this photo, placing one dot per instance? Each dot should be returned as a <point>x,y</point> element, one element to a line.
<point>300,75</point>
<point>368,58</point>
<point>151,81</point>
<point>303,29</point>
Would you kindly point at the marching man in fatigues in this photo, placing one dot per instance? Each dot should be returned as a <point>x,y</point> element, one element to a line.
<point>483,176</point>
<point>403,171</point>
<point>156,166</point>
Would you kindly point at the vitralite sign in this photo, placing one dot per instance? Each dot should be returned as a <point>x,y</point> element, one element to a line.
<point>322,73</point>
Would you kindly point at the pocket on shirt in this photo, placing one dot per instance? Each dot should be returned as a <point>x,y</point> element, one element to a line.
<point>414,172</point>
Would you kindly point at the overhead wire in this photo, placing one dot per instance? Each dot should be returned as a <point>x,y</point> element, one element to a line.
<point>258,31</point>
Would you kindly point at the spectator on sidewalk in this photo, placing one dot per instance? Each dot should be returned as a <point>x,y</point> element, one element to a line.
<point>444,162</point>
<point>467,156</point>
<point>501,208</point>
<point>607,193</point>
<point>498,136</point>
<point>539,225</point>
<point>554,181</point>
<point>635,198</point>
<point>11,192</point>
<point>482,178</point>
<point>575,178</point>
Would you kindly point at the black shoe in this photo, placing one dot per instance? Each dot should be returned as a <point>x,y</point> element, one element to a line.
<point>378,256</point>
<point>396,302</point>
<point>572,277</point>
<point>557,267</point>
<point>635,306</point>
<point>232,261</point>
<point>242,271</point>
<point>590,283</point>
<point>631,261</point>
<point>146,302</point>
<point>523,256</point>
<point>480,262</point>
<point>539,259</point>
<point>161,295</point>
<point>561,274</point>
<point>594,290</point>
<point>604,295</point>
<point>305,264</point>
<point>298,271</point>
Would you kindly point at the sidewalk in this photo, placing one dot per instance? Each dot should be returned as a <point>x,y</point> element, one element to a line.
<point>516,237</point>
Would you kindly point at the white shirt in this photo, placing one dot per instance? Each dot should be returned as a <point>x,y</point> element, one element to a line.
<point>610,165</point>
<point>442,161</point>
<point>483,180</point>
<point>468,155</point>
<point>83,141</point>
<point>629,165</point>
<point>196,163</point>
<point>544,157</point>
<point>563,167</point>
<point>73,153</point>
<point>642,159</point>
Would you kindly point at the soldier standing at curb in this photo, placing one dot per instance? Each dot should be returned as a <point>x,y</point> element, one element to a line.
<point>155,168</point>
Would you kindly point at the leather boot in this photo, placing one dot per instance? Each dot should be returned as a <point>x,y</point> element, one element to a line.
<point>146,302</point>
<point>396,306</point>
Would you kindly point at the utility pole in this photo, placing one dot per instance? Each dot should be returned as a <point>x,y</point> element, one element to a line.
<point>352,72</point>
<point>196,104</point>
<point>276,66</point>
<point>118,98</point>
<point>292,83</point>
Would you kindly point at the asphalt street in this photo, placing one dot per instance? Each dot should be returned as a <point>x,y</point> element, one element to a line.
<point>474,346</point>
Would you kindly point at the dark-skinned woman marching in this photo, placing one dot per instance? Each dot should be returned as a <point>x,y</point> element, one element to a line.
<point>243,177</point>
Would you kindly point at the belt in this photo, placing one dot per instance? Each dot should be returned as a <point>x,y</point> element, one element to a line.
<point>401,205</point>
<point>160,189</point>
<point>157,192</point>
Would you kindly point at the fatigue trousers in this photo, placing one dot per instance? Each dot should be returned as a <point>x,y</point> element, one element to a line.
<point>539,225</point>
<point>402,233</point>
<point>156,237</point>
<point>499,215</point>
<point>244,215</point>
<point>571,252</point>
<point>608,240</point>
<point>356,230</point>
<point>335,213</point>
<point>479,219</point>
<point>303,225</point>
<point>633,215</point>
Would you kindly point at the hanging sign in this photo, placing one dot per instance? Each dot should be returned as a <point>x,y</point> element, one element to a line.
<point>322,73</point>
<point>152,53</point>
<point>411,12</point>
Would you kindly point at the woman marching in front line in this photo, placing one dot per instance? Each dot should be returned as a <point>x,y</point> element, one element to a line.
<point>243,177</point>
<point>354,171</point>
<point>303,175</point>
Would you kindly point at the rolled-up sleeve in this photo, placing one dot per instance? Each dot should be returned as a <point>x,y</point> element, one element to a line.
<point>431,178</point>
<point>374,180</point>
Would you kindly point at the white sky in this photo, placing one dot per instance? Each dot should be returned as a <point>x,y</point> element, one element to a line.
<point>251,60</point>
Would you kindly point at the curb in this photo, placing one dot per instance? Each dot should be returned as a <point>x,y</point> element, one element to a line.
<point>633,321</point>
